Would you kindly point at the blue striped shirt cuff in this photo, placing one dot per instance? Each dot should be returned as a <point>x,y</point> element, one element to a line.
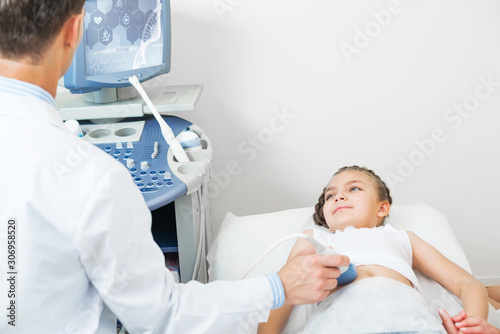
<point>277,289</point>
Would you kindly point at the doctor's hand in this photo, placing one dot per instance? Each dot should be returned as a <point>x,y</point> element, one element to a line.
<point>308,277</point>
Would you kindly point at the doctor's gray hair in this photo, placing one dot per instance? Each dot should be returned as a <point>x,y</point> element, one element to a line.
<point>383,192</point>
<point>27,27</point>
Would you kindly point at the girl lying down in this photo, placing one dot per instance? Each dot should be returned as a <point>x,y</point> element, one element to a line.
<point>385,296</point>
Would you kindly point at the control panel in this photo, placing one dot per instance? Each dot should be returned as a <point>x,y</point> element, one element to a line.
<point>140,146</point>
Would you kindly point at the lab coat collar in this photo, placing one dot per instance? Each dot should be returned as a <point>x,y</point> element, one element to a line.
<point>29,107</point>
<point>24,88</point>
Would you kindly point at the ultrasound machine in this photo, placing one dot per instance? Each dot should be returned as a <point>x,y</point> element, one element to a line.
<point>168,157</point>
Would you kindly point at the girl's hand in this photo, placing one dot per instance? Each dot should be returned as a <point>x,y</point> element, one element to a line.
<point>449,323</point>
<point>459,317</point>
<point>461,324</point>
<point>476,325</point>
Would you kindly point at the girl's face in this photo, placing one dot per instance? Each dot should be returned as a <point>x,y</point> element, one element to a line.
<point>351,199</point>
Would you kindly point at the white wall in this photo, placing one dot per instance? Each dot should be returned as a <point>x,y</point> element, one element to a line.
<point>262,58</point>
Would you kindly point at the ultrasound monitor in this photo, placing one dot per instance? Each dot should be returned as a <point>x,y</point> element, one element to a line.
<point>121,38</point>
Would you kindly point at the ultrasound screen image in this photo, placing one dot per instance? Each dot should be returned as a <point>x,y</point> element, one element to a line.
<point>122,35</point>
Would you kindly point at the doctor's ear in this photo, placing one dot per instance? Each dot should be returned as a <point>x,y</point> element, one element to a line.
<point>384,209</point>
<point>73,30</point>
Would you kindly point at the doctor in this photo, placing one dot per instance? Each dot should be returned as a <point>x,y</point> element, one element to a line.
<point>76,249</point>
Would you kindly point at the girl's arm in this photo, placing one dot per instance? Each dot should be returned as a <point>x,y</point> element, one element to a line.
<point>279,317</point>
<point>430,262</point>
<point>494,294</point>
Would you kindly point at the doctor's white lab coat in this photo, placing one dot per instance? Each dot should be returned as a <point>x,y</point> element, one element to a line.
<point>76,249</point>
